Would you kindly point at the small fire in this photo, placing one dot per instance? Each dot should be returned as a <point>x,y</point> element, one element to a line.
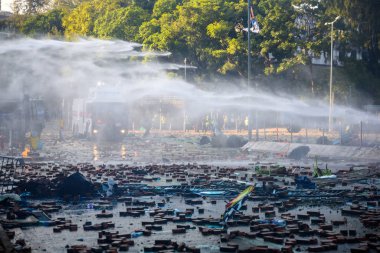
<point>25,152</point>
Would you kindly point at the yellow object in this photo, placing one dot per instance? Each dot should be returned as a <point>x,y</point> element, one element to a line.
<point>34,142</point>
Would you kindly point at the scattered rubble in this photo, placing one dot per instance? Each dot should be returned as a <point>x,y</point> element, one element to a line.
<point>188,200</point>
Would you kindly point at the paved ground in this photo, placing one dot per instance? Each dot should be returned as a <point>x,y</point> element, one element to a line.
<point>163,147</point>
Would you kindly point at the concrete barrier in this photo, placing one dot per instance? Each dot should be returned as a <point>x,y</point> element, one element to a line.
<point>282,149</point>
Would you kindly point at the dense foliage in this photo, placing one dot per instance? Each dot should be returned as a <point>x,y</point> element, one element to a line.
<point>292,33</point>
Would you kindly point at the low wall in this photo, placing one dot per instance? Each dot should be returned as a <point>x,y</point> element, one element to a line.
<point>328,151</point>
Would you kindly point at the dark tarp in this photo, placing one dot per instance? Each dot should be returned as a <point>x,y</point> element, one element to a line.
<point>204,140</point>
<point>235,141</point>
<point>299,153</point>
<point>75,184</point>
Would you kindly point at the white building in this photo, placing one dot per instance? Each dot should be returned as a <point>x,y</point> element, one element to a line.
<point>324,58</point>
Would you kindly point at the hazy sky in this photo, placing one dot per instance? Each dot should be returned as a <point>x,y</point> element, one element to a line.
<point>6,5</point>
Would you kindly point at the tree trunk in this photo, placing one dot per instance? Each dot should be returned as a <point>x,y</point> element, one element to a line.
<point>374,53</point>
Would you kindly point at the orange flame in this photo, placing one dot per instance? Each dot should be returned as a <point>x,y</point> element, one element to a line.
<point>25,152</point>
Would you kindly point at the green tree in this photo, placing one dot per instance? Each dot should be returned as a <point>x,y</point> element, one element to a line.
<point>278,42</point>
<point>146,4</point>
<point>106,19</point>
<point>122,23</point>
<point>360,29</point>
<point>312,35</point>
<point>80,21</point>
<point>47,23</point>
<point>199,30</point>
<point>164,6</point>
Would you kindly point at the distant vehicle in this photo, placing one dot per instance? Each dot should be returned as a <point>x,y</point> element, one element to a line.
<point>101,116</point>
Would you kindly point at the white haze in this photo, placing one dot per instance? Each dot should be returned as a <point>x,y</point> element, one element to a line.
<point>40,67</point>
<point>6,5</point>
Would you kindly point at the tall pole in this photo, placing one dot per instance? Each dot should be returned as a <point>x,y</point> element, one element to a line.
<point>184,120</point>
<point>249,75</point>
<point>331,76</point>
<point>249,64</point>
<point>331,72</point>
<point>249,42</point>
<point>361,133</point>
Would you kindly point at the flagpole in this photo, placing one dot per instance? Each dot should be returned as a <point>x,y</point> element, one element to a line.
<point>249,44</point>
<point>249,65</point>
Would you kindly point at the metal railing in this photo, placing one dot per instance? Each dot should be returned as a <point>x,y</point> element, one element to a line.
<point>9,168</point>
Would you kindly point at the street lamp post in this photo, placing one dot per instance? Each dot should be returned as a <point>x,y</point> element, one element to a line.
<point>184,111</point>
<point>331,71</point>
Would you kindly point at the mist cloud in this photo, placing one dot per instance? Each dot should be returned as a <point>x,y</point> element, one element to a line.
<point>40,67</point>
